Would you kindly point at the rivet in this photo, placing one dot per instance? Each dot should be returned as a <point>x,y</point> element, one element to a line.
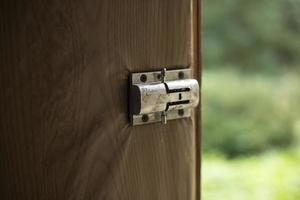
<point>145,118</point>
<point>143,78</point>
<point>180,75</point>
<point>181,112</point>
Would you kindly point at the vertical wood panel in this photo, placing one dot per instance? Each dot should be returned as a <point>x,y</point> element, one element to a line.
<point>64,130</point>
<point>197,68</point>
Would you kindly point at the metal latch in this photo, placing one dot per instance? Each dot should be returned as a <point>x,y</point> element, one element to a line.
<point>163,95</point>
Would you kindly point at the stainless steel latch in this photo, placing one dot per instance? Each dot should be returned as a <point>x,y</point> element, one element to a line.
<point>162,95</point>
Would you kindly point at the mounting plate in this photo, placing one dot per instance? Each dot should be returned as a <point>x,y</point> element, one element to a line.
<point>163,95</point>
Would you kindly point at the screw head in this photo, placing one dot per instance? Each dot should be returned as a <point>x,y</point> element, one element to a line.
<point>181,112</point>
<point>145,118</point>
<point>180,75</point>
<point>143,78</point>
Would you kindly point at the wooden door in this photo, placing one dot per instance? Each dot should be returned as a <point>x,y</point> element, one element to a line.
<point>64,128</point>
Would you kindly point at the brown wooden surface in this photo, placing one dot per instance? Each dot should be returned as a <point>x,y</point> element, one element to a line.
<point>64,131</point>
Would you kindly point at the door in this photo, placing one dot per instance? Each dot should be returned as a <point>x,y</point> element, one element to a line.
<point>64,127</point>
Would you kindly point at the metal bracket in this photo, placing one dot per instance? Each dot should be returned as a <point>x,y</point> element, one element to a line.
<point>163,95</point>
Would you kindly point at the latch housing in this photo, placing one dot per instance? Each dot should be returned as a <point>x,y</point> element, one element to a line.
<point>162,95</point>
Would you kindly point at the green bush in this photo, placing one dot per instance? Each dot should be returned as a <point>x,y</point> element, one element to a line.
<point>249,114</point>
<point>259,35</point>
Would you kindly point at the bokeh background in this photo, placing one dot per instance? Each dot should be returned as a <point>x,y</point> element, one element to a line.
<point>251,100</point>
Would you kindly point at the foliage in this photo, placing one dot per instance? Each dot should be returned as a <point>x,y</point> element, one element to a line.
<point>247,114</point>
<point>251,99</point>
<point>271,176</point>
<point>259,35</point>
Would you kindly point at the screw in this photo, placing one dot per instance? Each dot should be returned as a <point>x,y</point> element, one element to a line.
<point>163,74</point>
<point>180,75</point>
<point>163,117</point>
<point>145,118</point>
<point>181,112</point>
<point>143,78</point>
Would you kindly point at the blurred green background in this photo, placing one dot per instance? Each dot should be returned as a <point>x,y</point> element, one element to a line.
<point>251,100</point>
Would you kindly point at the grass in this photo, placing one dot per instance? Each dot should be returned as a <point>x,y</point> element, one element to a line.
<point>270,176</point>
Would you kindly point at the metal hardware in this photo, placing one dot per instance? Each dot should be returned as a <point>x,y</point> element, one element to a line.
<point>163,95</point>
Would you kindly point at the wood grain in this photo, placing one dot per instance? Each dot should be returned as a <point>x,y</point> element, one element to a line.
<point>64,131</point>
